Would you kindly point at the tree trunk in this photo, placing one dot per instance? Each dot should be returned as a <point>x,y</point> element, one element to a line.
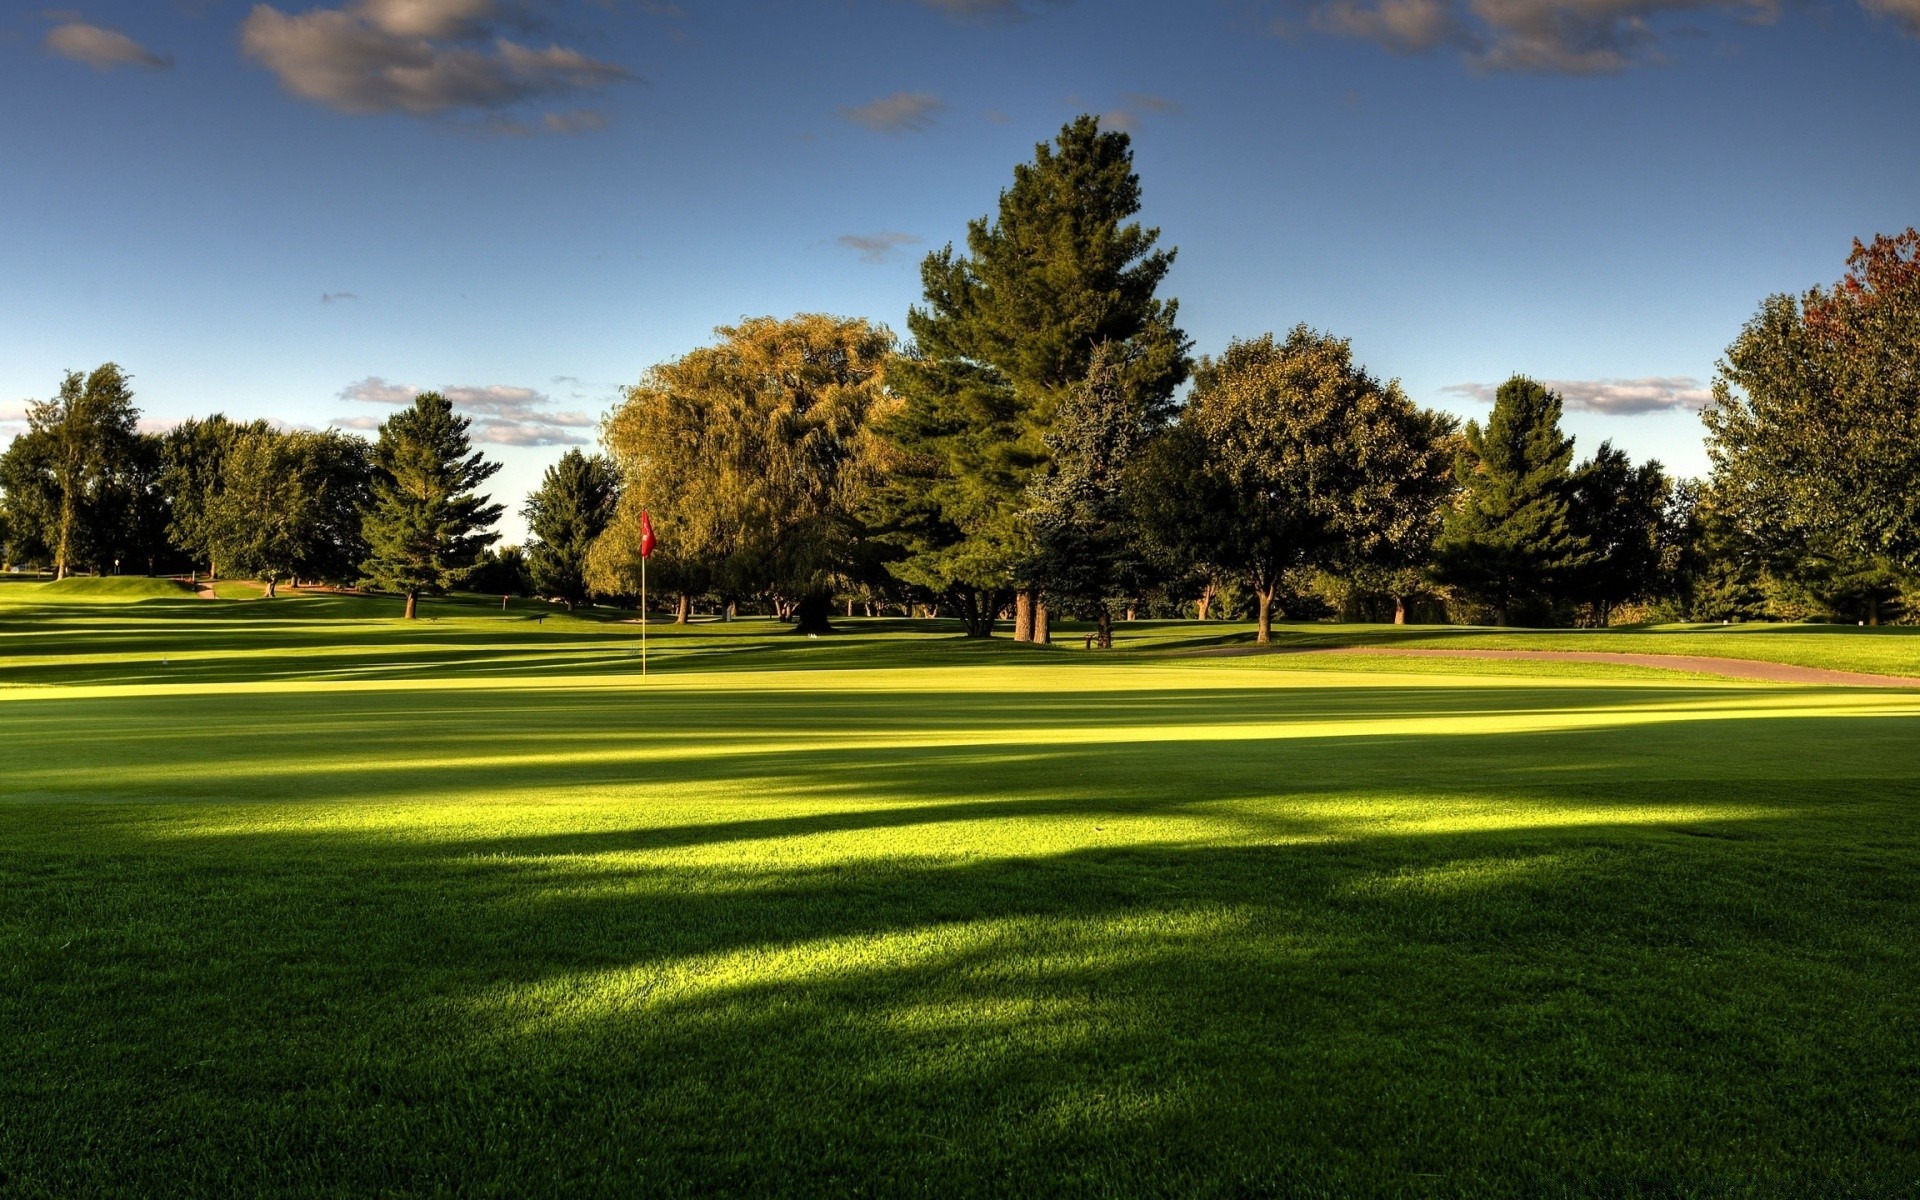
<point>1023,615</point>
<point>813,613</point>
<point>1399,610</point>
<point>1873,610</point>
<point>413,604</point>
<point>849,605</point>
<point>1265,636</point>
<point>683,612</point>
<point>1207,593</point>
<point>272,591</point>
<point>1131,610</point>
<point>1042,623</point>
<point>66,534</point>
<point>1103,619</point>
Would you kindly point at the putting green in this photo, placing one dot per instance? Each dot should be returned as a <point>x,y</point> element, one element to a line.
<point>327,904</point>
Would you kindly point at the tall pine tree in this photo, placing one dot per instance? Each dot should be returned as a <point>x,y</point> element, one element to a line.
<point>1007,334</point>
<point>1509,540</point>
<point>575,502</point>
<point>427,528</point>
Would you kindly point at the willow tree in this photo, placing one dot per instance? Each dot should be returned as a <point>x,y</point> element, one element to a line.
<point>750,455</point>
<point>427,527</point>
<point>1007,334</point>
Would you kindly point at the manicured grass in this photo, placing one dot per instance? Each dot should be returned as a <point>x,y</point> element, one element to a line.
<point>333,905</point>
<point>87,589</point>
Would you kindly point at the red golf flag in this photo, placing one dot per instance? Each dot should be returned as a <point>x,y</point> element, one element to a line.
<point>646,535</point>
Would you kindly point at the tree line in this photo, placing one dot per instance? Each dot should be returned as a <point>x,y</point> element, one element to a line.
<point>1044,443</point>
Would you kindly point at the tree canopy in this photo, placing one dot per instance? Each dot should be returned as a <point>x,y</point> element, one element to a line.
<point>1007,333</point>
<point>426,527</point>
<point>573,505</point>
<point>751,456</point>
<point>1509,538</point>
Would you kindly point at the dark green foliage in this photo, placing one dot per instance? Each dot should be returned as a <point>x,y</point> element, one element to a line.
<point>1081,513</point>
<point>1009,330</point>
<point>288,505</point>
<point>74,483</point>
<point>1618,510</point>
<point>575,502</point>
<point>502,572</point>
<point>1509,539</point>
<point>1814,430</point>
<point>427,527</point>
<point>194,460</point>
<point>1304,460</point>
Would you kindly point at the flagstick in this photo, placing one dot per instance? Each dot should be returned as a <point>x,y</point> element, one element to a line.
<point>643,614</point>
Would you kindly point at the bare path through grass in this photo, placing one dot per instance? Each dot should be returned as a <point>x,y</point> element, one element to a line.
<point>1734,668</point>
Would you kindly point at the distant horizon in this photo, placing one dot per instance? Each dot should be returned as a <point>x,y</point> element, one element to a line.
<point>252,214</point>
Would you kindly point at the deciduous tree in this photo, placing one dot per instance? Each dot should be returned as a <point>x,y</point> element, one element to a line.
<point>1814,430</point>
<point>751,456</point>
<point>1305,461</point>
<point>67,476</point>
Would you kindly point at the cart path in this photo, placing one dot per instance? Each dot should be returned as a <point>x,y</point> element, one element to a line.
<point>1733,668</point>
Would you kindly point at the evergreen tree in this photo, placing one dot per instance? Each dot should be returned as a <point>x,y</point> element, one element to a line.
<point>1618,509</point>
<point>1007,334</point>
<point>1080,512</point>
<point>1508,539</point>
<point>427,527</point>
<point>574,504</point>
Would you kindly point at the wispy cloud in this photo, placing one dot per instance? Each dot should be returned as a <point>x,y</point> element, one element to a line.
<point>1905,13</point>
<point>101,48</point>
<point>877,247</point>
<point>1568,37</point>
<point>1612,397</point>
<point>502,415</point>
<point>976,10</point>
<point>902,112</point>
<point>338,297</point>
<point>420,57</point>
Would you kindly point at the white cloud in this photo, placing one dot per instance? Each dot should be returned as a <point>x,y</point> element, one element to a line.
<point>1905,13</point>
<point>986,9</point>
<point>502,415</point>
<point>1612,397</point>
<point>902,112</point>
<point>877,247</point>
<point>101,48</point>
<point>1569,37</point>
<point>422,57</point>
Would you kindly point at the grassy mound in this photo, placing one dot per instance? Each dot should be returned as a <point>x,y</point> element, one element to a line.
<point>84,589</point>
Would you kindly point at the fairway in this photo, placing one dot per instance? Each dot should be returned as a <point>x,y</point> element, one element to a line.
<point>297,899</point>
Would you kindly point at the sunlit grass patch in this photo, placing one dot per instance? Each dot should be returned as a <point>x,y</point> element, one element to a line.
<point>351,907</point>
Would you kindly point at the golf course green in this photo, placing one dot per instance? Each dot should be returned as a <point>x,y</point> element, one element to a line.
<point>297,898</point>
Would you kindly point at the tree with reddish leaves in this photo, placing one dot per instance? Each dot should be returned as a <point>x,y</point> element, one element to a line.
<point>1814,430</point>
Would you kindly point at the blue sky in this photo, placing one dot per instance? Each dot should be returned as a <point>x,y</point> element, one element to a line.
<point>302,210</point>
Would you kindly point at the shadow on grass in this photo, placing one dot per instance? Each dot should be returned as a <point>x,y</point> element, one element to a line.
<point>1507,963</point>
